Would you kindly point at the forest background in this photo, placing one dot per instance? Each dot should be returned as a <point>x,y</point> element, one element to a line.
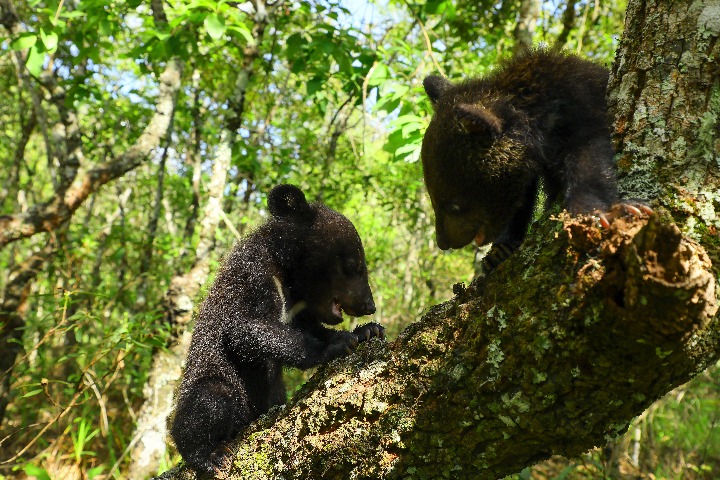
<point>138,140</point>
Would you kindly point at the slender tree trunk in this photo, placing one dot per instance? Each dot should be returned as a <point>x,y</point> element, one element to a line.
<point>526,22</point>
<point>146,260</point>
<point>569,339</point>
<point>568,23</point>
<point>148,445</point>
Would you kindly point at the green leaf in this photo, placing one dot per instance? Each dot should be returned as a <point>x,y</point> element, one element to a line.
<point>32,393</point>
<point>294,43</point>
<point>243,31</point>
<point>380,74</point>
<point>34,62</point>
<point>313,85</point>
<point>343,61</point>
<point>72,14</point>
<point>105,28</point>
<point>298,65</point>
<point>215,26</point>
<point>436,6</point>
<point>50,40</point>
<point>94,472</point>
<point>24,41</point>
<point>37,472</point>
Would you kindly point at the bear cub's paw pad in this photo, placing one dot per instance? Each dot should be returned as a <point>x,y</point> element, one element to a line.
<point>370,330</point>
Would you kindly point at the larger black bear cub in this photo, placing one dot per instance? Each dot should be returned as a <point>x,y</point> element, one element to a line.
<point>540,117</point>
<point>266,309</point>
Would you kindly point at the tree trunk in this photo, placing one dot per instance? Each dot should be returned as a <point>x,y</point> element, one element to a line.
<point>148,445</point>
<point>567,341</point>
<point>665,93</point>
<point>526,21</point>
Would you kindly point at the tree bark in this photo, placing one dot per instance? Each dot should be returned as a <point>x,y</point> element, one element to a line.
<point>665,94</point>
<point>526,22</point>
<point>509,372</point>
<point>567,341</point>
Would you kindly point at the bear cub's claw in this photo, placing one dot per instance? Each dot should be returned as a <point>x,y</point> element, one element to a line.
<point>626,207</point>
<point>369,330</point>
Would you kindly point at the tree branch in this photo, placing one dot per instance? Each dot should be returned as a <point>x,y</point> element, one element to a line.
<point>52,213</point>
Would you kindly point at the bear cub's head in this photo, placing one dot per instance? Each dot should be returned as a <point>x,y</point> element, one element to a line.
<point>474,162</point>
<point>321,255</point>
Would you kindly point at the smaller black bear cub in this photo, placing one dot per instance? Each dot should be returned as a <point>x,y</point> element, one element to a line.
<point>266,309</point>
<point>540,118</point>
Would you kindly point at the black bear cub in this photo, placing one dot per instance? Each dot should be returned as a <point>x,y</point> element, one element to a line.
<point>538,119</point>
<point>266,309</point>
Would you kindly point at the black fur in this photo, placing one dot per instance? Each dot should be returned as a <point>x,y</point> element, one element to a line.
<point>538,119</point>
<point>266,310</point>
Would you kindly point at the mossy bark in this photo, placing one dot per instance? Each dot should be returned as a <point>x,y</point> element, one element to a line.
<point>558,349</point>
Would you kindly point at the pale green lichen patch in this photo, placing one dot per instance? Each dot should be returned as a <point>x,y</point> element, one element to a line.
<point>507,421</point>
<point>498,315</point>
<point>709,20</point>
<point>706,209</point>
<point>679,146</point>
<point>495,355</point>
<point>539,377</point>
<point>517,401</point>
<point>540,346</point>
<point>457,372</point>
<point>372,405</point>
<point>372,371</point>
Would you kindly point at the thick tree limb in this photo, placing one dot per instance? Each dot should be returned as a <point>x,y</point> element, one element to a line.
<point>52,213</point>
<point>507,373</point>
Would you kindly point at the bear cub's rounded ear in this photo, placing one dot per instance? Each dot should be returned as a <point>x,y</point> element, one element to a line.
<point>288,201</point>
<point>435,86</point>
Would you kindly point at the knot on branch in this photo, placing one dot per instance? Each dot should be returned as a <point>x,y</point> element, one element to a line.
<point>660,282</point>
<point>668,279</point>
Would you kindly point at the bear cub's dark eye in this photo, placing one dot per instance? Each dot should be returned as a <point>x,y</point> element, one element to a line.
<point>454,208</point>
<point>349,266</point>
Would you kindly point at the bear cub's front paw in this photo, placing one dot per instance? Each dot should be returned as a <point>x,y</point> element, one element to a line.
<point>342,344</point>
<point>369,330</point>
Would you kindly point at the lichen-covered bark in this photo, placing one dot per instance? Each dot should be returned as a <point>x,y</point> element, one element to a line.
<point>665,93</point>
<point>598,325</point>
